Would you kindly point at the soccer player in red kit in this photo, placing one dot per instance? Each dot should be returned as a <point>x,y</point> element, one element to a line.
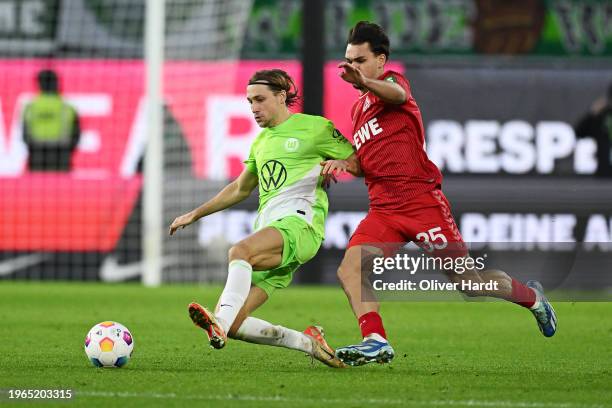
<point>404,188</point>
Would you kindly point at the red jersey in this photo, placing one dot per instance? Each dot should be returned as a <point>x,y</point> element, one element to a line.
<point>390,144</point>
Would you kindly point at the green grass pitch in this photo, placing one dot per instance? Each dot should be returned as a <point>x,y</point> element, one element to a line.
<point>476,354</point>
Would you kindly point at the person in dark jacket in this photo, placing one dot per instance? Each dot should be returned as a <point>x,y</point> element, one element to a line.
<point>597,123</point>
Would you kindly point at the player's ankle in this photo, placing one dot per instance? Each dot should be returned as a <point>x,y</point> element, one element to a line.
<point>375,336</point>
<point>370,323</point>
<point>537,303</point>
<point>523,295</point>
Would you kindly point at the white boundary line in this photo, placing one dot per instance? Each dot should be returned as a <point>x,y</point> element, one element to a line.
<point>231,397</point>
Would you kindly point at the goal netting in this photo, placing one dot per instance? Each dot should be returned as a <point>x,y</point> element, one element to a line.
<point>83,219</point>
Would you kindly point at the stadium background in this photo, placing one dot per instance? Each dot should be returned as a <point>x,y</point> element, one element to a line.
<point>500,87</point>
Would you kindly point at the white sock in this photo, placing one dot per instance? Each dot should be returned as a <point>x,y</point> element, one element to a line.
<point>376,337</point>
<point>235,292</point>
<point>259,331</point>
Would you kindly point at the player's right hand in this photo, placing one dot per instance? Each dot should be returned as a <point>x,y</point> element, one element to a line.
<point>181,222</point>
<point>334,167</point>
<point>327,181</point>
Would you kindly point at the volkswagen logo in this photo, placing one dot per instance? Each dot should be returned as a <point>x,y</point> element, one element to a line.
<point>273,175</point>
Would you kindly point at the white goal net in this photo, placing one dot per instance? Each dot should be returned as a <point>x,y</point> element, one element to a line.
<point>71,190</point>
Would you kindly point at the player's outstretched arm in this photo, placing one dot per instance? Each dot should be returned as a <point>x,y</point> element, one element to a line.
<point>387,91</point>
<point>235,192</point>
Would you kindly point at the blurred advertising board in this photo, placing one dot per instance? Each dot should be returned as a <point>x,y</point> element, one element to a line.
<point>481,125</point>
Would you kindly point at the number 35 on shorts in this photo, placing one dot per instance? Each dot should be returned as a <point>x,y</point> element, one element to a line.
<point>432,239</point>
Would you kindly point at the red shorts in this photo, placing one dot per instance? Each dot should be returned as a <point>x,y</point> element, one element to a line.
<point>427,221</point>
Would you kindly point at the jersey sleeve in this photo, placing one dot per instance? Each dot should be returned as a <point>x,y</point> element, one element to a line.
<point>399,79</point>
<point>250,163</point>
<point>331,144</point>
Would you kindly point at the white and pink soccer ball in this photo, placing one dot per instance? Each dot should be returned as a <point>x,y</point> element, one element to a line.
<point>109,344</point>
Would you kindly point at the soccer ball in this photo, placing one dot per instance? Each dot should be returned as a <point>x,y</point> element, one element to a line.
<point>109,344</point>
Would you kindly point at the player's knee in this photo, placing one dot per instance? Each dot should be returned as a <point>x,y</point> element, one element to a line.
<point>340,273</point>
<point>345,273</point>
<point>240,251</point>
<point>349,269</point>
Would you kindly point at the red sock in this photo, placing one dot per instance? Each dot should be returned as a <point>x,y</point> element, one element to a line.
<point>522,295</point>
<point>371,322</point>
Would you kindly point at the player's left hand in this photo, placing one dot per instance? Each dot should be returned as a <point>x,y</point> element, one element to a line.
<point>352,74</point>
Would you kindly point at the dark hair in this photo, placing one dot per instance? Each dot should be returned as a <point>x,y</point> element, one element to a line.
<point>47,81</point>
<point>277,80</point>
<point>372,33</point>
